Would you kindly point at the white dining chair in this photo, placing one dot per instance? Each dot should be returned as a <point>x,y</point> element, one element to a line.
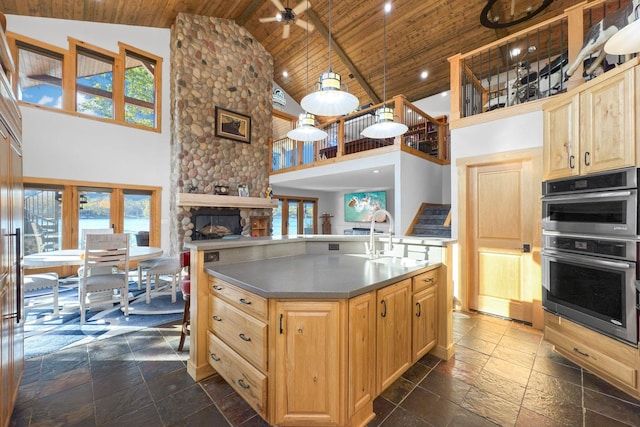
<point>83,236</point>
<point>103,255</point>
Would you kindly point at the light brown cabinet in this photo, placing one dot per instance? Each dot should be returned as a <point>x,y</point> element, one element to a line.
<point>362,351</point>
<point>425,292</point>
<point>592,128</point>
<point>612,360</point>
<point>237,335</point>
<point>393,333</point>
<point>260,226</point>
<point>308,369</point>
<point>319,361</point>
<point>11,213</point>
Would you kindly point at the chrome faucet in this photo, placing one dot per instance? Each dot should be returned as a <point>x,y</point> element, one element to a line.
<point>371,246</point>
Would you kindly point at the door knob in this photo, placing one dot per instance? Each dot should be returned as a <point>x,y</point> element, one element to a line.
<point>526,248</point>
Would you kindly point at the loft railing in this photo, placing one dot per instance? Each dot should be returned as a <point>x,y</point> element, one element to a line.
<point>427,137</point>
<point>528,65</point>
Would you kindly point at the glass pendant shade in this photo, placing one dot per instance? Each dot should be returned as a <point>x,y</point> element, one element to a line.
<point>626,41</point>
<point>384,126</point>
<point>306,130</point>
<point>329,100</point>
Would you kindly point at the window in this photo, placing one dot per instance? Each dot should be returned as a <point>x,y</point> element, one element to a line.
<point>139,88</point>
<point>39,75</point>
<point>295,215</point>
<point>56,212</point>
<point>94,83</point>
<point>122,87</point>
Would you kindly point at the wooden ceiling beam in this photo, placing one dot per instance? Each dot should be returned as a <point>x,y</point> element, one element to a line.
<point>322,30</point>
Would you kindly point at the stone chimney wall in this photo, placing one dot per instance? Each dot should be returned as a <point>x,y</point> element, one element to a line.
<point>216,63</point>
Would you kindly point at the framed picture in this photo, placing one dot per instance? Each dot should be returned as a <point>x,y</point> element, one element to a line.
<point>243,191</point>
<point>232,125</point>
<point>359,207</point>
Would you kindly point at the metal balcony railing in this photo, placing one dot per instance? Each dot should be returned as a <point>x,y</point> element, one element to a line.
<point>427,137</point>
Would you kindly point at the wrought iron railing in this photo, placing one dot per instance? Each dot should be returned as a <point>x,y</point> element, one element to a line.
<point>531,64</point>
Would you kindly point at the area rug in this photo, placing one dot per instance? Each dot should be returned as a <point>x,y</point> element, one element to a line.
<point>45,333</point>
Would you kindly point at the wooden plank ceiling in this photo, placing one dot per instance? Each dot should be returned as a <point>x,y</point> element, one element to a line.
<point>421,35</point>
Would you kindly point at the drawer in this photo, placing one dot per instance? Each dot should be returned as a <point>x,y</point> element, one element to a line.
<point>600,354</point>
<point>245,334</point>
<point>250,383</point>
<point>425,280</point>
<point>244,300</point>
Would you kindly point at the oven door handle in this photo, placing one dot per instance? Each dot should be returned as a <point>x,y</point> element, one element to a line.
<point>579,196</point>
<point>587,260</point>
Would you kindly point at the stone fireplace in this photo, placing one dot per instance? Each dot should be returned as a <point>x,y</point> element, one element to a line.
<point>216,63</point>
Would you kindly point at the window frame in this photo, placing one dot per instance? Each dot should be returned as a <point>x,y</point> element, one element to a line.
<point>71,214</point>
<point>69,76</point>
<point>300,201</point>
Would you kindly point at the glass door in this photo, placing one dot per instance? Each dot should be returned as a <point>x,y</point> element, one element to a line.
<point>292,220</point>
<point>95,211</point>
<point>308,217</point>
<point>137,217</point>
<point>42,219</point>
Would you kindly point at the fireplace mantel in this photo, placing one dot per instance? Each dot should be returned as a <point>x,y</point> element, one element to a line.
<point>217,201</point>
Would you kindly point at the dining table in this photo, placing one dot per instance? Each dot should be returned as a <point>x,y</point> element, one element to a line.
<point>64,257</point>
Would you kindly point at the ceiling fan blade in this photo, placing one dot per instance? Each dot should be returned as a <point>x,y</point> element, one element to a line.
<point>272,19</point>
<point>278,5</point>
<point>303,24</point>
<point>301,7</point>
<point>286,29</point>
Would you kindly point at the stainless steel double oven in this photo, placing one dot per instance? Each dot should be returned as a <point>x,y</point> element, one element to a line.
<point>590,251</point>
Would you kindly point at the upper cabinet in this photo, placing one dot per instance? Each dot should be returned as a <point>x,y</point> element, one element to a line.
<point>592,128</point>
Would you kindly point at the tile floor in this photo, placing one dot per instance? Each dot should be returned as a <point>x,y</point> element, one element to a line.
<point>503,373</point>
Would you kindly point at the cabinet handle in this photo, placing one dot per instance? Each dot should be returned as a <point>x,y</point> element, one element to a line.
<point>384,306</point>
<point>217,288</point>
<point>572,162</point>
<point>214,357</point>
<point>281,316</point>
<point>242,384</point>
<point>587,158</point>
<point>243,337</point>
<point>419,312</point>
<point>217,318</point>
<point>17,250</point>
<point>429,280</point>
<point>244,301</point>
<point>580,352</point>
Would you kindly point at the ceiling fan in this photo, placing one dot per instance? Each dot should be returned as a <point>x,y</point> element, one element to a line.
<point>288,15</point>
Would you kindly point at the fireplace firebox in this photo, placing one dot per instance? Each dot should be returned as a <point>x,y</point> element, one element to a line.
<point>215,223</point>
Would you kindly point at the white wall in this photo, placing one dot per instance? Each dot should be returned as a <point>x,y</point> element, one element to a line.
<point>510,134</point>
<point>421,182</point>
<point>436,105</point>
<point>63,146</point>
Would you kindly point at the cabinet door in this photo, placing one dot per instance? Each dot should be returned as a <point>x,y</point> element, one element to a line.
<point>393,332</point>
<point>362,351</point>
<point>308,364</point>
<point>561,138</point>
<point>424,321</point>
<point>607,120</point>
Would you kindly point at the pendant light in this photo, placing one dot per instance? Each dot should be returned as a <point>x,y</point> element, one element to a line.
<point>626,41</point>
<point>330,99</point>
<point>306,129</point>
<point>385,126</point>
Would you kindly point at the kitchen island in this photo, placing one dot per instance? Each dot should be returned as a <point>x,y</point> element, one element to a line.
<point>309,330</point>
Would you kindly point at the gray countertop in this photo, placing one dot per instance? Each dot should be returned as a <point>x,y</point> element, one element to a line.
<point>259,241</point>
<point>318,276</point>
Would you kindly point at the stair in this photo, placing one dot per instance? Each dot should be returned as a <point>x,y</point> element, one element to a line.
<point>431,220</point>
